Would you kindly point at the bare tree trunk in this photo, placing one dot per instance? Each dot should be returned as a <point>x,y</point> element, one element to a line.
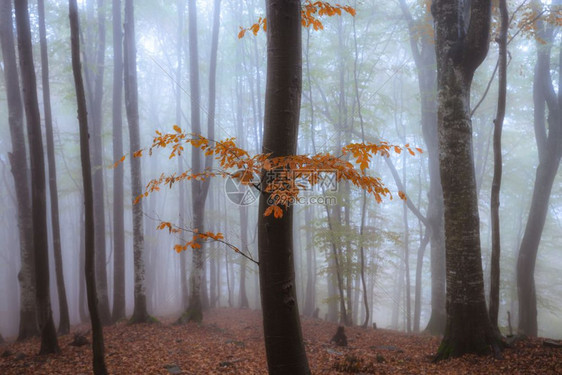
<point>49,343</point>
<point>181,205</point>
<point>140,313</point>
<point>94,74</point>
<point>64,325</point>
<point>90,264</point>
<point>423,51</point>
<point>118,171</point>
<point>468,328</point>
<point>20,170</point>
<point>282,330</point>
<point>549,146</point>
<point>496,181</point>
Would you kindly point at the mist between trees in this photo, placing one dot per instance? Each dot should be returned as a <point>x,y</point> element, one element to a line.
<point>375,71</point>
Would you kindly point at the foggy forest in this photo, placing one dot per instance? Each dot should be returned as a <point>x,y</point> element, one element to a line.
<point>280,186</point>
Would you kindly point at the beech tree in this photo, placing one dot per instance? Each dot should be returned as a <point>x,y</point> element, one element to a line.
<point>423,52</point>
<point>284,343</point>
<point>548,136</point>
<point>49,342</point>
<point>140,313</point>
<point>20,170</point>
<point>89,227</point>
<point>64,325</point>
<point>118,208</point>
<point>461,44</point>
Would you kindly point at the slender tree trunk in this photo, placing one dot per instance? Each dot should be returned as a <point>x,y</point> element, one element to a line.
<point>468,328</point>
<point>194,311</point>
<point>20,170</point>
<point>282,330</point>
<point>49,343</point>
<point>118,171</point>
<point>181,206</point>
<point>310,297</point>
<point>90,265</point>
<point>95,71</point>
<point>496,181</point>
<point>140,313</point>
<point>423,51</point>
<point>549,146</point>
<point>64,325</point>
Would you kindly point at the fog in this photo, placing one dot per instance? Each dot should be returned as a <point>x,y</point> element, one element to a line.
<point>359,77</point>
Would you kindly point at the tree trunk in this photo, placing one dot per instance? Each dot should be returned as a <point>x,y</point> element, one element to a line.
<point>118,171</point>
<point>94,74</point>
<point>49,343</point>
<point>20,170</point>
<point>282,330</point>
<point>460,50</point>
<point>90,265</point>
<point>549,145</point>
<point>140,313</point>
<point>496,181</point>
<point>64,325</point>
<point>423,51</point>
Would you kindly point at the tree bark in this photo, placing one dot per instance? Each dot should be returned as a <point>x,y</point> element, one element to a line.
<point>496,180</point>
<point>64,325</point>
<point>94,75</point>
<point>118,172</point>
<point>49,343</point>
<point>98,360</point>
<point>461,46</point>
<point>20,170</point>
<point>423,51</point>
<point>549,146</point>
<point>282,330</point>
<point>140,313</point>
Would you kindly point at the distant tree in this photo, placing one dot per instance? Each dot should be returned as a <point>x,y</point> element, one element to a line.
<point>423,51</point>
<point>93,55</point>
<point>548,135</point>
<point>140,313</point>
<point>20,170</point>
<point>461,43</point>
<point>90,264</point>
<point>118,208</point>
<point>49,343</point>
<point>64,325</point>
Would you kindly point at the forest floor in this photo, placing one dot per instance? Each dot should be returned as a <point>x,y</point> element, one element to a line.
<point>230,341</point>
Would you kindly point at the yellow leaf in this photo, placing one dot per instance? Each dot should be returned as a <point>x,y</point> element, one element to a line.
<point>177,128</point>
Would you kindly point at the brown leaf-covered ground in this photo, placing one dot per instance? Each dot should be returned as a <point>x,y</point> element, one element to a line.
<point>230,342</point>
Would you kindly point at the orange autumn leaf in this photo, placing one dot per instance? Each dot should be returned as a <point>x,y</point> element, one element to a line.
<point>309,12</point>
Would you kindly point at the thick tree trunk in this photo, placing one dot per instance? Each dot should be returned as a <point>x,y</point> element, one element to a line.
<point>460,49</point>
<point>64,325</point>
<point>20,170</point>
<point>49,343</point>
<point>140,313</point>
<point>282,330</point>
<point>90,265</point>
<point>118,171</point>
